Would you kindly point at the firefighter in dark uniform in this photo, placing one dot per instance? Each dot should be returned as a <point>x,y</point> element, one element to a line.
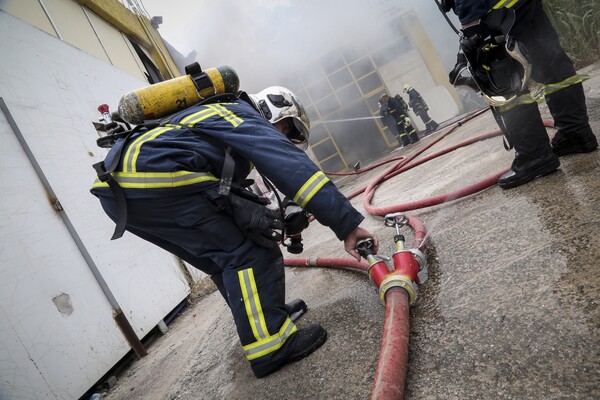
<point>418,105</point>
<point>409,128</point>
<point>396,119</point>
<point>531,32</point>
<point>176,180</point>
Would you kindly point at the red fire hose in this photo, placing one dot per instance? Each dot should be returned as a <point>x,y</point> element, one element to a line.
<point>390,375</point>
<point>341,263</point>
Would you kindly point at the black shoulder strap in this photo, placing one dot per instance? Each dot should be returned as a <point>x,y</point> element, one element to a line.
<point>104,175</point>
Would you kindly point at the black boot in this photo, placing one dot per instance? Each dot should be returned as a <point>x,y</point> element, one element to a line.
<point>432,126</point>
<point>563,144</point>
<point>404,139</point>
<point>412,134</point>
<point>524,129</point>
<point>574,134</point>
<point>295,309</point>
<point>524,170</point>
<point>298,346</point>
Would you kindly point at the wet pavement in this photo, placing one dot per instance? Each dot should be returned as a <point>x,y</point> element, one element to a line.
<point>510,310</point>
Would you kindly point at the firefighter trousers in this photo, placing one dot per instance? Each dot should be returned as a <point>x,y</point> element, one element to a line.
<point>250,277</point>
<point>550,66</point>
<point>430,124</point>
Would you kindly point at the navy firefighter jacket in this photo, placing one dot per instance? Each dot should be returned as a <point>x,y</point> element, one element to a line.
<point>186,155</point>
<point>472,10</point>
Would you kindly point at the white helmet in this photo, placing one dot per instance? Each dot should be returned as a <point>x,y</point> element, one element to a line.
<point>277,103</point>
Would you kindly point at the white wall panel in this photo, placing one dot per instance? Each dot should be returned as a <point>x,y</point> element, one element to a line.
<point>57,335</point>
<point>116,45</point>
<point>73,26</point>
<point>30,11</point>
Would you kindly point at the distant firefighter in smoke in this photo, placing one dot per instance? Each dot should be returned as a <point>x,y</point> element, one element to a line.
<point>416,102</point>
<point>395,117</point>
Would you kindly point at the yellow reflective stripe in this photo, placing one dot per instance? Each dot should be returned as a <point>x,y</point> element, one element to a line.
<point>502,3</point>
<point>157,180</point>
<point>310,188</point>
<point>544,90</point>
<point>198,116</point>
<point>133,150</point>
<point>226,114</point>
<point>522,99</point>
<point>555,87</point>
<point>272,343</point>
<point>211,110</point>
<point>254,311</point>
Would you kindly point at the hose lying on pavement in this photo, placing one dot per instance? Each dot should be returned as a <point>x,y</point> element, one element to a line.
<point>390,374</point>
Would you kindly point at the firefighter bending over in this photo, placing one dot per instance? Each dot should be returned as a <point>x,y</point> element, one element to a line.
<point>184,183</point>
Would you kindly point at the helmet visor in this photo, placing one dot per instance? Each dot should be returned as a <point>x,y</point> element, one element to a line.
<point>299,135</point>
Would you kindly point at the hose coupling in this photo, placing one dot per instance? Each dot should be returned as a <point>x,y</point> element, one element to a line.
<point>423,273</point>
<point>401,281</point>
<point>405,263</point>
<point>377,271</point>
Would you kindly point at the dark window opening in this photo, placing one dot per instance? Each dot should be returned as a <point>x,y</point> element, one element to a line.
<point>152,72</point>
<point>318,133</point>
<point>334,164</point>
<point>340,78</point>
<point>392,51</point>
<point>324,150</point>
<point>369,83</point>
<point>362,67</point>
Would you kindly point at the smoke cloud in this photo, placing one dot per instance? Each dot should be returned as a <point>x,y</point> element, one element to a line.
<point>261,39</point>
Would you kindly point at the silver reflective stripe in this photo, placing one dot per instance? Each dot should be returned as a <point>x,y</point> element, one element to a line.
<point>156,180</point>
<point>310,188</point>
<point>198,116</point>
<point>252,299</point>
<point>133,150</point>
<point>226,114</point>
<point>273,343</point>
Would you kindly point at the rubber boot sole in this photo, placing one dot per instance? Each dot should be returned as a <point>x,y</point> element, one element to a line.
<point>317,337</point>
<point>543,170</point>
<point>319,341</point>
<point>586,147</point>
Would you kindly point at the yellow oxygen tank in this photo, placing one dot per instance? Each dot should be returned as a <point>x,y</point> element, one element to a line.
<point>164,98</point>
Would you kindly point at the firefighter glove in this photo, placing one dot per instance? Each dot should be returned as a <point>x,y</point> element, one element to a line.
<point>258,223</point>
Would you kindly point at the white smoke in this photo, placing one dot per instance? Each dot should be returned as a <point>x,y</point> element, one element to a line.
<point>261,39</point>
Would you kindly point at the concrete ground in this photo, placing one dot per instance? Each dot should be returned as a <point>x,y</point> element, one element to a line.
<point>510,310</point>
